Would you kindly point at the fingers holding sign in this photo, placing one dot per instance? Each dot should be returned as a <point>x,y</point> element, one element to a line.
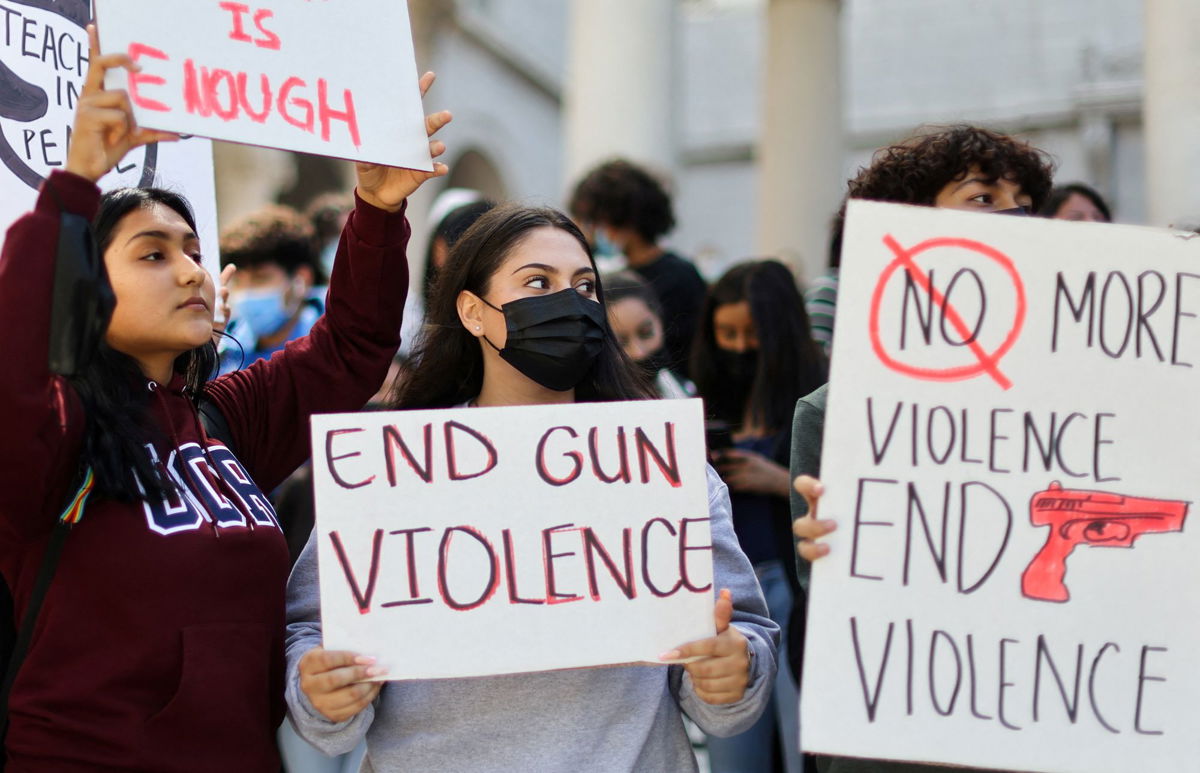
<point>104,129</point>
<point>809,529</point>
<point>387,187</point>
<point>335,682</point>
<point>721,672</point>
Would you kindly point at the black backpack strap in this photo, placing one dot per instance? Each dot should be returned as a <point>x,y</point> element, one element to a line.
<point>72,511</point>
<point>215,425</point>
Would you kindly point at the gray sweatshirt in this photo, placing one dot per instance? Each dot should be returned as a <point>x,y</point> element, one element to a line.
<point>621,718</point>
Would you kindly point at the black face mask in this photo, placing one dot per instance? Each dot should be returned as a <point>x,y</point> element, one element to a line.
<point>552,339</point>
<point>737,372</point>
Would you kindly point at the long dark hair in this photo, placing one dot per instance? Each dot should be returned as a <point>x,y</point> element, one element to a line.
<point>112,387</point>
<point>448,367</point>
<point>790,364</point>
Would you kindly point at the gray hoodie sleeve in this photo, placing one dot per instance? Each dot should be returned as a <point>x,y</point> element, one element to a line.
<point>808,430</point>
<point>732,570</point>
<point>303,634</point>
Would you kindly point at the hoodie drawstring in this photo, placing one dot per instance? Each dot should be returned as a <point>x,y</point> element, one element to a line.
<point>215,479</point>
<point>214,472</point>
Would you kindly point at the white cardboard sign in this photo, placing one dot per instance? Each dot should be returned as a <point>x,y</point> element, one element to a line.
<point>43,60</point>
<point>314,76</point>
<point>478,541</point>
<point>1010,451</point>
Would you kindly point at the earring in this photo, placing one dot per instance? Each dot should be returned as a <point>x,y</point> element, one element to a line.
<point>477,327</point>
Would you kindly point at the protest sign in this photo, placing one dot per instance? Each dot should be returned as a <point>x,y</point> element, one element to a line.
<point>43,60</point>
<point>479,541</point>
<point>1009,453</point>
<point>335,79</point>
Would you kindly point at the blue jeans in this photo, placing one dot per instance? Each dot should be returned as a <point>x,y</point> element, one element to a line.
<point>750,751</point>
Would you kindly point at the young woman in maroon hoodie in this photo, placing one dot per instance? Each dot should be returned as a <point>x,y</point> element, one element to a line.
<point>159,646</point>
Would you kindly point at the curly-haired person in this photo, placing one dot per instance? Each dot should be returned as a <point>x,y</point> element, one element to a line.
<point>623,208</point>
<point>952,167</point>
<point>955,167</point>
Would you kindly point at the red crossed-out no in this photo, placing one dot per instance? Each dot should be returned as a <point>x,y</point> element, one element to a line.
<point>985,362</point>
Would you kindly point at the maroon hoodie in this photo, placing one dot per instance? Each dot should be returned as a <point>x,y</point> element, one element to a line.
<point>160,643</point>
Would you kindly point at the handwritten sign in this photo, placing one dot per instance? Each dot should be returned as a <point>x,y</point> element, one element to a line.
<point>43,60</point>
<point>331,78</point>
<point>1010,454</point>
<point>484,541</point>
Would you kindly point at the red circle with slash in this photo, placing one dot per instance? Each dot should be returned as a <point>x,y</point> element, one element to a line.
<point>985,362</point>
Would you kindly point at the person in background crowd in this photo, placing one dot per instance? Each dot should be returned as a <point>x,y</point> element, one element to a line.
<point>1076,201</point>
<point>528,270</point>
<point>635,316</point>
<point>957,167</point>
<point>625,210</point>
<point>159,644</point>
<point>328,214</point>
<point>753,358</point>
<point>271,292</point>
<point>820,297</point>
<point>452,213</point>
<point>986,170</point>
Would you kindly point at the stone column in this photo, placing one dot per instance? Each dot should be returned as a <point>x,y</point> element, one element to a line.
<point>800,179</point>
<point>618,100</point>
<point>1171,111</point>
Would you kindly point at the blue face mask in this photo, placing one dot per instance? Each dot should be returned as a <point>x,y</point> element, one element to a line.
<point>263,310</point>
<point>603,246</point>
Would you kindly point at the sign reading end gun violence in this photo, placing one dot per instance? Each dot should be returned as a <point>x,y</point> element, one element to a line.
<point>477,541</point>
<point>1010,450</point>
<point>315,76</point>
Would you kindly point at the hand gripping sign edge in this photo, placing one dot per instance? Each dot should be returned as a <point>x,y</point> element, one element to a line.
<point>986,362</point>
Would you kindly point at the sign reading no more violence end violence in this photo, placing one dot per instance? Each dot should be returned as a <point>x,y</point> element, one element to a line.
<point>478,541</point>
<point>1009,453</point>
<point>330,78</point>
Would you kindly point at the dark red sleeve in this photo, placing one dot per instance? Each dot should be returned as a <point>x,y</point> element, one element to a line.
<point>337,366</point>
<point>38,446</point>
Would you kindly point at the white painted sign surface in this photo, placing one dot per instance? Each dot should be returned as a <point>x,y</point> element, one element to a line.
<point>1010,458</point>
<point>477,541</point>
<point>314,76</point>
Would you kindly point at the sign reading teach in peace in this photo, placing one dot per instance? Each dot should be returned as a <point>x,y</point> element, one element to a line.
<point>331,77</point>
<point>477,541</point>
<point>43,61</point>
<point>1010,454</point>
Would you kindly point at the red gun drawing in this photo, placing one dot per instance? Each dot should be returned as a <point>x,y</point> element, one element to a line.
<point>1096,518</point>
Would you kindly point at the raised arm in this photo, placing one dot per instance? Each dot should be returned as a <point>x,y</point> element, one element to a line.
<point>345,357</point>
<point>43,422</point>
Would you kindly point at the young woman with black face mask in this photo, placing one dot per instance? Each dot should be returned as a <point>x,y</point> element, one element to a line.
<point>754,356</point>
<point>517,318</point>
<point>159,644</point>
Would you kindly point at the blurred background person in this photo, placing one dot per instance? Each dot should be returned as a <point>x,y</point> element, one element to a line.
<point>1076,201</point>
<point>625,210</point>
<point>450,215</point>
<point>278,291</point>
<point>820,297</point>
<point>754,357</point>
<point>328,214</point>
<point>635,316</point>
